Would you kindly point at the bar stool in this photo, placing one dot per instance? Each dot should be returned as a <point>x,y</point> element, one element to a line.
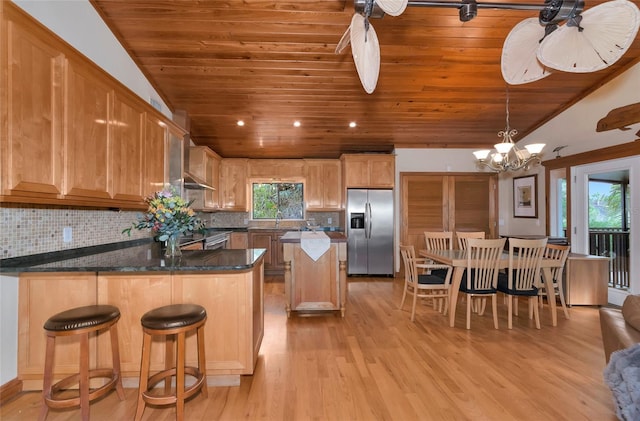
<point>81,321</point>
<point>173,321</point>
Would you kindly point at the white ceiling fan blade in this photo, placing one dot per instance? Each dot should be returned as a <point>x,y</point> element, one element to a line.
<point>344,41</point>
<point>609,31</point>
<point>366,52</point>
<point>519,62</point>
<point>393,7</point>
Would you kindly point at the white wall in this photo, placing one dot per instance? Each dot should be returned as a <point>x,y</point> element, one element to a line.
<point>8,328</point>
<point>78,23</point>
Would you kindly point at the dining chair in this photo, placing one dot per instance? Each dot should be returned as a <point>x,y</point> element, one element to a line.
<point>423,285</point>
<point>463,236</point>
<point>438,240</point>
<point>481,275</point>
<point>558,253</point>
<point>522,276</point>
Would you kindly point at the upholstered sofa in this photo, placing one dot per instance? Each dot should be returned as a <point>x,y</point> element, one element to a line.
<point>620,327</point>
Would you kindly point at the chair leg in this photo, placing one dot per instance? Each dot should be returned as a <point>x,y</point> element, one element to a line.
<point>115,356</point>
<point>510,306</point>
<point>413,306</point>
<point>469,299</point>
<point>169,359</point>
<point>494,309</point>
<point>562,301</point>
<point>536,312</point>
<point>180,377</point>
<point>84,377</point>
<point>202,361</point>
<point>404,295</point>
<point>144,375</point>
<point>48,376</point>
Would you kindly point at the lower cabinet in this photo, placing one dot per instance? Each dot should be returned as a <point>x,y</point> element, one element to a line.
<point>233,331</point>
<point>587,280</point>
<point>269,240</point>
<point>239,240</point>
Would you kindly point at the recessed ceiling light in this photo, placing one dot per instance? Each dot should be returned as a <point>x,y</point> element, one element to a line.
<point>352,124</point>
<point>240,123</point>
<point>296,123</point>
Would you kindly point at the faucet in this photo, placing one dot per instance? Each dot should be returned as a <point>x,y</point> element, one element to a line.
<point>278,218</point>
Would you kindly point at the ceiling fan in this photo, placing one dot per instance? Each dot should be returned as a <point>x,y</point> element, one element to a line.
<point>587,42</point>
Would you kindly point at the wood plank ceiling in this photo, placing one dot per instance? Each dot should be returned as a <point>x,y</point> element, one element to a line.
<point>272,62</point>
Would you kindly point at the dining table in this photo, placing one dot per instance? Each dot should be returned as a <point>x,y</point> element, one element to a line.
<point>458,260</point>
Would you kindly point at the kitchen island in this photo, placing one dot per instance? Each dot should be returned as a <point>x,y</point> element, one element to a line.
<point>136,279</point>
<point>315,282</point>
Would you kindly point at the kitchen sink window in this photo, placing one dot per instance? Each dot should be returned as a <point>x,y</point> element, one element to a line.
<point>278,201</point>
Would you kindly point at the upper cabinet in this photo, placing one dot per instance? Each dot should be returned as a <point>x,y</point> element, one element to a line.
<point>234,184</point>
<point>31,112</point>
<point>368,170</point>
<point>276,169</point>
<point>205,164</point>
<point>323,186</point>
<point>74,135</point>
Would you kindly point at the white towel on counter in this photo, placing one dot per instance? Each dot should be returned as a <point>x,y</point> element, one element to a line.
<point>315,244</point>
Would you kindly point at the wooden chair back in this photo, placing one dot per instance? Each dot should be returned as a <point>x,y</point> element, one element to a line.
<point>524,262</point>
<point>483,263</point>
<point>560,253</point>
<point>409,260</point>
<point>438,240</point>
<point>463,236</point>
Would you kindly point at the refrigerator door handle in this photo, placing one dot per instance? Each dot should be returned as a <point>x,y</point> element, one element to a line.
<point>367,222</point>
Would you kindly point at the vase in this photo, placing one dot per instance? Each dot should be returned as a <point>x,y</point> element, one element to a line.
<point>173,248</point>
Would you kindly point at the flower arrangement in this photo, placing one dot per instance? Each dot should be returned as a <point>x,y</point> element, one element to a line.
<point>168,215</point>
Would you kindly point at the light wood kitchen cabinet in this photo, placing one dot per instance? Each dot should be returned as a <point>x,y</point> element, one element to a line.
<point>31,78</point>
<point>205,164</point>
<point>126,148</point>
<point>155,146</point>
<point>269,240</point>
<point>368,170</point>
<point>239,240</point>
<point>234,184</point>
<point>41,295</point>
<point>323,184</point>
<point>88,106</point>
<point>586,280</point>
<point>276,169</point>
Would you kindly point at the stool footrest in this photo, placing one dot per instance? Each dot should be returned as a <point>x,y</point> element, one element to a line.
<point>171,398</point>
<point>64,384</point>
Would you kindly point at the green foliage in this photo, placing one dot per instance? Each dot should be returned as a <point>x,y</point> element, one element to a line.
<point>271,200</point>
<point>605,209</point>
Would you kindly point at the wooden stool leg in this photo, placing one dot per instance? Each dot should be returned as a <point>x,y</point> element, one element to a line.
<point>144,374</point>
<point>202,361</point>
<point>48,376</point>
<point>84,376</point>
<point>169,360</point>
<point>115,356</point>
<point>180,377</point>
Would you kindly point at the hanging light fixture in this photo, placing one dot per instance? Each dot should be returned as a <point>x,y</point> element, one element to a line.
<point>508,157</point>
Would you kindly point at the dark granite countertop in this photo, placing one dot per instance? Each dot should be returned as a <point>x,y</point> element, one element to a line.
<point>132,256</point>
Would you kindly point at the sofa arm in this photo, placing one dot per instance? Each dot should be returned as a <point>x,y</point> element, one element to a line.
<point>616,333</point>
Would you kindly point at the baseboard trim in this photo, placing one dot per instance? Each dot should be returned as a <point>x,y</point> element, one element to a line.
<point>10,390</point>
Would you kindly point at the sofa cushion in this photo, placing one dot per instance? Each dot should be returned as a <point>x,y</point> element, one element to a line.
<point>631,310</point>
<point>616,333</point>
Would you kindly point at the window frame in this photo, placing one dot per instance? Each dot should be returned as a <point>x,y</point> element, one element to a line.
<point>294,180</point>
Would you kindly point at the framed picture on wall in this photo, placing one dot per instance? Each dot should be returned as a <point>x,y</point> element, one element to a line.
<point>525,195</point>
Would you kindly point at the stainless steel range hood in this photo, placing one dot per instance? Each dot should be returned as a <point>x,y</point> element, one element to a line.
<point>194,183</point>
<point>191,181</point>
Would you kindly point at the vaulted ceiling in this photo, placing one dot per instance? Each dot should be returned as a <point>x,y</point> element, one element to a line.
<point>270,63</point>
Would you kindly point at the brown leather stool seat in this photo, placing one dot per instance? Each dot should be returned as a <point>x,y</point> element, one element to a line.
<point>173,321</point>
<point>81,321</point>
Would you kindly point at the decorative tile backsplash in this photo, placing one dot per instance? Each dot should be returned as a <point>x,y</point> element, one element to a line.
<point>33,230</point>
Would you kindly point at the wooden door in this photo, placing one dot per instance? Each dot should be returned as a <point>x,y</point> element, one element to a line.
<point>154,144</point>
<point>126,148</point>
<point>446,202</point>
<point>233,184</point>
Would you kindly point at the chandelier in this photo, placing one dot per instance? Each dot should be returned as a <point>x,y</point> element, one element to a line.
<point>508,157</point>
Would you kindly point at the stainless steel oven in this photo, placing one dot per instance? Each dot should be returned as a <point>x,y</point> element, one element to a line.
<point>217,241</point>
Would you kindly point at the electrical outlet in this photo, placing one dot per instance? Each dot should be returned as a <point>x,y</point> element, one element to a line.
<point>246,221</point>
<point>67,234</point>
<point>329,221</point>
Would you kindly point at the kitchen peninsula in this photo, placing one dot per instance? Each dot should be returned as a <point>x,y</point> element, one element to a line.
<point>135,277</point>
<point>315,281</point>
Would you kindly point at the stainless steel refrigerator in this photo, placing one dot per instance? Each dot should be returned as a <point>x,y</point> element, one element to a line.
<point>370,232</point>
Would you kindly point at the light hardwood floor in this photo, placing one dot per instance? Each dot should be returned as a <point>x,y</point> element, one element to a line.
<point>374,364</point>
